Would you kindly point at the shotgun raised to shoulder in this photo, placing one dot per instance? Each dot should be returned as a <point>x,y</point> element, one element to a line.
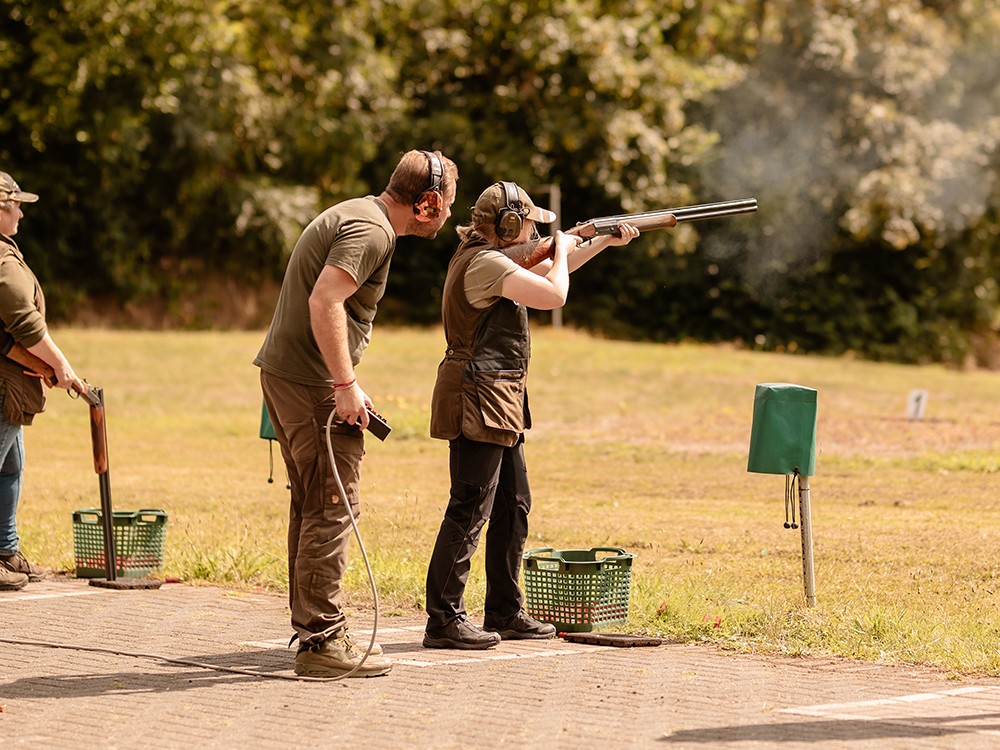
<point>660,219</point>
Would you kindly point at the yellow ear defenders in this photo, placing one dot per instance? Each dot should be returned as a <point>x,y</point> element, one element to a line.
<point>510,218</point>
<point>431,201</point>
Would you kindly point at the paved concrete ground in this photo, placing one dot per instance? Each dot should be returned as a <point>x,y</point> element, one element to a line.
<point>547,694</point>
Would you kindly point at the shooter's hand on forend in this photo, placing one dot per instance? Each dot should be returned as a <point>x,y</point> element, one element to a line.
<point>625,234</point>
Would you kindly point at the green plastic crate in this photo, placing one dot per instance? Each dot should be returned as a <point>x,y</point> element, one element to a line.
<point>139,537</point>
<point>578,590</point>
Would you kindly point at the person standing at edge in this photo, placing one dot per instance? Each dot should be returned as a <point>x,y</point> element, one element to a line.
<point>322,325</point>
<point>480,405</point>
<point>22,396</point>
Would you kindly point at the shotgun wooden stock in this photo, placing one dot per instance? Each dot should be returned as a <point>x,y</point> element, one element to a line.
<point>92,394</point>
<point>32,364</point>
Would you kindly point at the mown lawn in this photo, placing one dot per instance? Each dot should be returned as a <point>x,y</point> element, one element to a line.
<point>637,446</point>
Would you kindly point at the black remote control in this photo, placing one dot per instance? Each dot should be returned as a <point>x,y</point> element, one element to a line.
<point>377,425</point>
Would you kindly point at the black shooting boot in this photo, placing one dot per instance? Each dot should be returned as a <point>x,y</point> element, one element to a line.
<point>521,626</point>
<point>460,634</point>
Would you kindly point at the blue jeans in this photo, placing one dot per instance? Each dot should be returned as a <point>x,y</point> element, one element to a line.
<point>11,470</point>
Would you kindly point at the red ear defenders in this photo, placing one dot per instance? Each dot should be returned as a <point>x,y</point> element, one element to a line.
<point>510,218</point>
<point>431,201</point>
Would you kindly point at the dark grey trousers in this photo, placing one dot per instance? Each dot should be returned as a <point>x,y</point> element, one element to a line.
<point>487,482</point>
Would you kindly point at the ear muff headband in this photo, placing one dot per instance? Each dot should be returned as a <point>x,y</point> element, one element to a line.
<point>431,201</point>
<point>510,218</point>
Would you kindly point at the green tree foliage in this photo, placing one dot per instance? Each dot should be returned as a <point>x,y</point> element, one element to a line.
<point>174,140</point>
<point>871,131</point>
<point>588,95</point>
<point>175,137</point>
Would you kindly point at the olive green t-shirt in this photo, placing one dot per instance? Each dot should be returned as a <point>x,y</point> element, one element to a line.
<point>356,236</point>
<point>485,276</point>
<point>22,304</point>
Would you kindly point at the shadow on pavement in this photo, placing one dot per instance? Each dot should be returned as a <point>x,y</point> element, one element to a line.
<point>817,731</point>
<point>185,677</point>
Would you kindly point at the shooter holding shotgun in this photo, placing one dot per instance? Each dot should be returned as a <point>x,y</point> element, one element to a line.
<point>501,268</point>
<point>22,393</point>
<point>480,406</point>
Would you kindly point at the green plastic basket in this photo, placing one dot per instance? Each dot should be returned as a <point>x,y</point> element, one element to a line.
<point>578,590</point>
<point>139,537</point>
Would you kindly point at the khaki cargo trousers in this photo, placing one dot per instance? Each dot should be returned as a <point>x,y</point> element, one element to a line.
<point>319,528</point>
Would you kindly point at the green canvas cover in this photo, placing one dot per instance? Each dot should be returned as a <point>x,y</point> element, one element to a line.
<point>266,428</point>
<point>783,435</point>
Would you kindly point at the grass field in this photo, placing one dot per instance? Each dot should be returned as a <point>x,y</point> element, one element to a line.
<point>637,446</point>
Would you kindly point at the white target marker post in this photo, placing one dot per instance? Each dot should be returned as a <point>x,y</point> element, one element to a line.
<point>916,404</point>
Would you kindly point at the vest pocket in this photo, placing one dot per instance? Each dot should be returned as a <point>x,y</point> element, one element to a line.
<point>501,399</point>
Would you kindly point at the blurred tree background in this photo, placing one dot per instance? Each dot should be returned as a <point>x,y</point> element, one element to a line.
<point>180,146</point>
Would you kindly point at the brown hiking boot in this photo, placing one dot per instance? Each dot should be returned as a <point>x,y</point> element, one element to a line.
<point>18,563</point>
<point>11,581</point>
<point>337,656</point>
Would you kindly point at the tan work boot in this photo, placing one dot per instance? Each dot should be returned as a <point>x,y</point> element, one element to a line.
<point>337,656</point>
<point>11,581</point>
<point>363,645</point>
<point>18,563</point>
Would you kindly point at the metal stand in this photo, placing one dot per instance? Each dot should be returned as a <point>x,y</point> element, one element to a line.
<point>805,518</point>
<point>99,438</point>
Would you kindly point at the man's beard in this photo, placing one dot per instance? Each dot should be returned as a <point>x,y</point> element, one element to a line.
<point>425,230</point>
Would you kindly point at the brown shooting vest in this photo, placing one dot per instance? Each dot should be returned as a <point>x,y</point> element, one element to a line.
<point>481,391</point>
<point>23,394</point>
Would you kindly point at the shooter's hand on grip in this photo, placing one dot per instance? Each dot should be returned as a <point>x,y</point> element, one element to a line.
<point>563,243</point>
<point>67,379</point>
<point>61,377</point>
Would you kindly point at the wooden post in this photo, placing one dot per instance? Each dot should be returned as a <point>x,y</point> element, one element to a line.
<point>805,524</point>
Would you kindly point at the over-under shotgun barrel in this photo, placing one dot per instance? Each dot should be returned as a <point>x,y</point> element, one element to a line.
<point>661,218</point>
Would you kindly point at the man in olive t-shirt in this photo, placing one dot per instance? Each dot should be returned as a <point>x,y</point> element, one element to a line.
<point>322,324</point>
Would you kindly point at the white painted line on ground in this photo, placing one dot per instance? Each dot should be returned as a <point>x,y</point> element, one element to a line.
<point>535,649</point>
<point>61,595</point>
<point>910,709</point>
<point>486,657</point>
<point>822,710</point>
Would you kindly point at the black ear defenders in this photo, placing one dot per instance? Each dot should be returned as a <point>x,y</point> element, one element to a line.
<point>431,201</point>
<point>510,218</point>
